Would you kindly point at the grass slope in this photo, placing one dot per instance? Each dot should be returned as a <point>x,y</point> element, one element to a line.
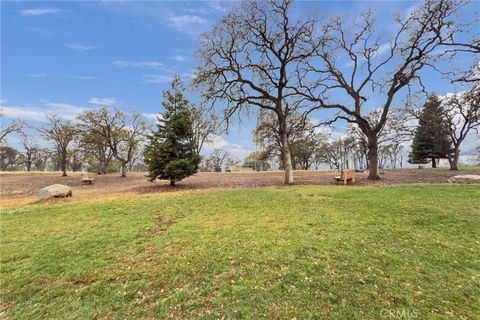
<point>304,252</point>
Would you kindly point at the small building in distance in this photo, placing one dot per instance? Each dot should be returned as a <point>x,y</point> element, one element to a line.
<point>239,168</point>
<point>249,166</point>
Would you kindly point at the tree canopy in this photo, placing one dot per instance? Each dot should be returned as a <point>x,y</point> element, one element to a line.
<point>431,140</point>
<point>171,152</point>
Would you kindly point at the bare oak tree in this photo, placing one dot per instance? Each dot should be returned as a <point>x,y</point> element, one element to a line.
<point>462,116</point>
<point>60,133</point>
<point>215,161</point>
<point>357,61</point>
<point>330,153</point>
<point>463,39</point>
<point>301,136</point>
<point>10,158</point>
<point>14,126</point>
<point>249,59</point>
<point>32,151</point>
<point>120,132</point>
<point>96,147</point>
<point>204,125</point>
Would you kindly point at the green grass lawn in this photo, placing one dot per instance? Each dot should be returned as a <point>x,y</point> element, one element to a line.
<point>275,253</point>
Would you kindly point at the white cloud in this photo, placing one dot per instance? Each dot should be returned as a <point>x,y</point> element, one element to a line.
<point>45,31</point>
<point>220,6</point>
<point>213,6</point>
<point>217,142</point>
<point>44,75</point>
<point>157,78</point>
<point>328,132</point>
<point>81,77</point>
<point>166,78</point>
<point>179,58</point>
<point>383,48</point>
<point>189,24</point>
<point>103,101</point>
<point>469,144</point>
<point>37,75</point>
<point>137,64</point>
<point>237,151</point>
<point>30,113</point>
<point>64,110</point>
<point>152,116</point>
<point>79,46</point>
<point>24,113</point>
<point>40,11</point>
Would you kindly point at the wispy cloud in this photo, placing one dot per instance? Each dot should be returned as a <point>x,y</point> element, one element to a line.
<point>103,101</point>
<point>79,46</point>
<point>211,7</point>
<point>45,31</point>
<point>189,24</point>
<point>166,78</point>
<point>40,12</point>
<point>220,6</point>
<point>40,113</point>
<point>80,77</point>
<point>74,77</point>
<point>138,64</point>
<point>37,75</point>
<point>179,58</point>
<point>167,13</point>
<point>157,78</point>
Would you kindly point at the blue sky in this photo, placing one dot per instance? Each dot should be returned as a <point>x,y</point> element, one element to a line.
<point>64,57</point>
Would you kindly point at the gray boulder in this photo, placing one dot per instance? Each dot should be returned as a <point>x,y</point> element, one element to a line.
<point>465,178</point>
<point>55,191</point>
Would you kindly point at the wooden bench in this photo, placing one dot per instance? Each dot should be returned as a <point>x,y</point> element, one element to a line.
<point>345,176</point>
<point>86,179</point>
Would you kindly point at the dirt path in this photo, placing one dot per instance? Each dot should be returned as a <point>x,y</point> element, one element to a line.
<point>26,185</point>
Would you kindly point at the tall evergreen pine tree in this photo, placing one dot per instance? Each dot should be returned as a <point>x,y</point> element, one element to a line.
<point>431,140</point>
<point>171,153</point>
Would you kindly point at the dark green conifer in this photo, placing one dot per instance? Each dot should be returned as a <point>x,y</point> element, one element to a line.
<point>431,140</point>
<point>171,153</point>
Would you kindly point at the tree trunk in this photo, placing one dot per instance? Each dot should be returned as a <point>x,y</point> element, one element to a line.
<point>63,164</point>
<point>104,167</point>
<point>172,182</point>
<point>287,159</point>
<point>100,166</point>
<point>102,162</point>
<point>434,163</point>
<point>453,161</point>
<point>373,157</point>
<point>123,168</point>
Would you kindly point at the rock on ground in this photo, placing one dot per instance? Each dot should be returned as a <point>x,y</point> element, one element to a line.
<point>465,178</point>
<point>55,191</point>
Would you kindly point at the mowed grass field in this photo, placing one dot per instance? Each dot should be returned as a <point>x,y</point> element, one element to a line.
<point>304,252</point>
